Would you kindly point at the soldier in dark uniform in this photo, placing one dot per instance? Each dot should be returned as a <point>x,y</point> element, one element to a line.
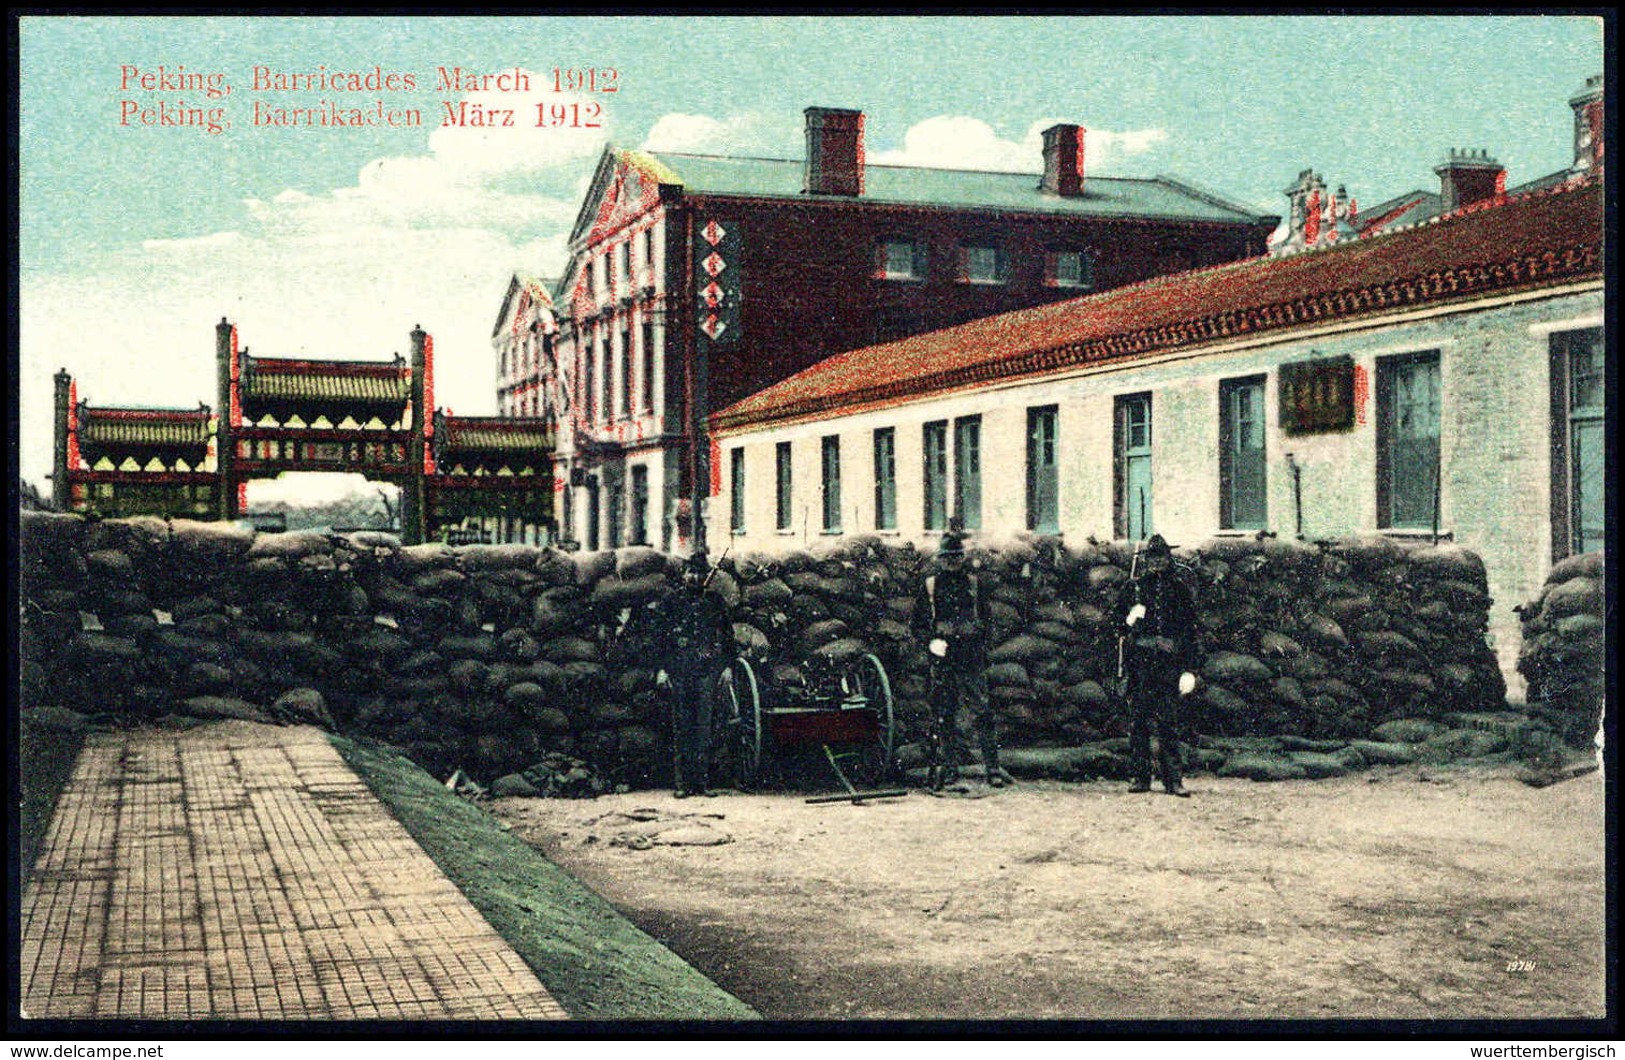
<point>1159,629</point>
<point>950,618</point>
<point>693,638</point>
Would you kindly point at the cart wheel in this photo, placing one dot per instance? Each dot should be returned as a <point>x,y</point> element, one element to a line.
<point>867,678</point>
<point>741,702</point>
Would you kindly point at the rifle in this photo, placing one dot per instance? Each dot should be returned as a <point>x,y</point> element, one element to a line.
<point>1122,637</point>
<point>712,573</point>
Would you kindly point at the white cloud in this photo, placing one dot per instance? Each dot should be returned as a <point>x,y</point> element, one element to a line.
<point>959,142</point>
<point>701,134</point>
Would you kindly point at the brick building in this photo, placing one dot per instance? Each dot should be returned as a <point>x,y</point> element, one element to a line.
<point>694,281</point>
<point>1445,380</point>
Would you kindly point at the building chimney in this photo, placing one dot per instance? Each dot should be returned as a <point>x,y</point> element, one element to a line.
<point>1587,106</point>
<point>1063,160</point>
<point>834,151</point>
<point>1466,177</point>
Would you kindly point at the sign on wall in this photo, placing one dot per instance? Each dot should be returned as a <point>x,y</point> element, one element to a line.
<point>1317,395</point>
<point>717,276</point>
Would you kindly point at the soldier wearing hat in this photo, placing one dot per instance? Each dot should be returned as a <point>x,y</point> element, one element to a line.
<point>693,639</point>
<point>1159,631</point>
<point>950,619</point>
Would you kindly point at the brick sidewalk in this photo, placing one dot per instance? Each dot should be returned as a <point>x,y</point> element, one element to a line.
<point>242,871</point>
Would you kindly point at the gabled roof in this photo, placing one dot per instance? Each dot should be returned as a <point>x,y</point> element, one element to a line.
<point>1530,241</point>
<point>529,299</point>
<point>624,182</point>
<point>777,178</point>
<point>331,388</point>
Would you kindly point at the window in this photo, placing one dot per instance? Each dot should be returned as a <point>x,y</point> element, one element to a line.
<point>589,395</point>
<point>1408,441</point>
<point>648,366</point>
<point>902,261</point>
<point>1043,507</point>
<point>593,513</point>
<point>640,504</point>
<point>1579,405</point>
<point>935,440</point>
<point>623,397</point>
<point>649,251</point>
<point>623,262</point>
<point>885,478</point>
<point>968,472</point>
<point>736,489</point>
<point>1242,502</point>
<point>617,512</point>
<point>1133,466</point>
<point>1069,268</point>
<point>832,483</point>
<point>981,265</point>
<point>781,457</point>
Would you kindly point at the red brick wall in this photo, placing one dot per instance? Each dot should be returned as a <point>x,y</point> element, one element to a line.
<point>810,287</point>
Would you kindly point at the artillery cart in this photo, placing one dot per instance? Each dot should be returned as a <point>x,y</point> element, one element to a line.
<point>841,704</point>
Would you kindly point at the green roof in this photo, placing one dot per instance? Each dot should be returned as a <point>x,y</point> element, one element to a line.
<point>494,439</point>
<point>122,432</point>
<point>1158,197</point>
<point>318,383</point>
<point>99,432</point>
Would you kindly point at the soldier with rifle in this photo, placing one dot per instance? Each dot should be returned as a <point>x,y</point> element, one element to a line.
<point>950,618</point>
<point>690,635</point>
<point>1157,662</point>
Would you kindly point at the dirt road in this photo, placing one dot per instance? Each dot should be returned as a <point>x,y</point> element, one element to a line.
<point>1398,895</point>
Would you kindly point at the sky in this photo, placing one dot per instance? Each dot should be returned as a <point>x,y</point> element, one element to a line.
<point>337,241</point>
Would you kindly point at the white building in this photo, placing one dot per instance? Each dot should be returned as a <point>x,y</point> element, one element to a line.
<point>1444,380</point>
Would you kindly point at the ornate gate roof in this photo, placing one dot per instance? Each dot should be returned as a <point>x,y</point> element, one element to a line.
<point>285,387</point>
<point>120,434</point>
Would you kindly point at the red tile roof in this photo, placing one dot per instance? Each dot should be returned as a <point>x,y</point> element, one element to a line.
<point>1529,241</point>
